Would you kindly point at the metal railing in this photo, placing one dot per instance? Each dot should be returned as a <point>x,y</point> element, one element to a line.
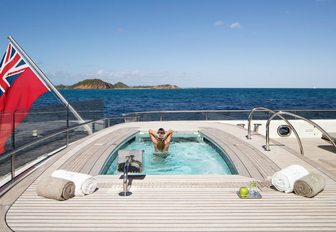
<point>280,116</point>
<point>249,118</point>
<point>103,123</point>
<point>139,116</point>
<point>299,117</point>
<point>163,115</point>
<point>227,115</point>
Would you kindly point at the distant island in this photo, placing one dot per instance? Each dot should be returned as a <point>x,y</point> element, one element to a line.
<point>99,84</point>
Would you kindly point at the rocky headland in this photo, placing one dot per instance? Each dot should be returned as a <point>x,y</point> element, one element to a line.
<point>100,84</point>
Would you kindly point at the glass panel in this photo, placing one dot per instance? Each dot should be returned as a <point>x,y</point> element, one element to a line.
<point>5,167</point>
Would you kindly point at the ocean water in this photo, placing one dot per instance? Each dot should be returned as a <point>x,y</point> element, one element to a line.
<point>118,101</point>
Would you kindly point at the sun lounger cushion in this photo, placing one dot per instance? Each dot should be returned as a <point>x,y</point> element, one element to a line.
<point>309,185</point>
<point>284,179</point>
<point>85,184</point>
<point>55,188</point>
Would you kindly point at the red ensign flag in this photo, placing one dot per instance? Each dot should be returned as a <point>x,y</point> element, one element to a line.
<point>19,88</point>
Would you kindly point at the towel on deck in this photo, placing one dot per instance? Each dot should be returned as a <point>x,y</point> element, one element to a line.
<point>309,185</point>
<point>284,179</point>
<point>55,188</point>
<point>85,184</point>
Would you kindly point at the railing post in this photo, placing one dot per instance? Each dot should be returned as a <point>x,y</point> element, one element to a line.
<point>93,127</point>
<point>249,119</point>
<point>13,166</point>
<point>161,116</point>
<point>13,146</point>
<point>279,114</point>
<point>249,126</point>
<point>67,125</point>
<point>13,130</point>
<point>206,116</point>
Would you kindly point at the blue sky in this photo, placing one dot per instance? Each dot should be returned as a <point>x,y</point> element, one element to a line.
<point>238,43</point>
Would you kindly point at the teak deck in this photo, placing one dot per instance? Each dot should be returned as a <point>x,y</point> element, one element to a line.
<point>172,203</point>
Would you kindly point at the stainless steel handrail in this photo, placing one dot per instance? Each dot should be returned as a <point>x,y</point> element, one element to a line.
<point>183,111</point>
<point>222,111</point>
<point>136,115</point>
<point>250,118</point>
<point>161,113</point>
<point>7,154</point>
<point>280,116</point>
<point>299,117</point>
<point>11,153</point>
<point>21,148</point>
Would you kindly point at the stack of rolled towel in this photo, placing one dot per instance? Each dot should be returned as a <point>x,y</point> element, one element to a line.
<point>296,178</point>
<point>55,188</point>
<point>62,185</point>
<point>85,184</point>
<point>309,185</point>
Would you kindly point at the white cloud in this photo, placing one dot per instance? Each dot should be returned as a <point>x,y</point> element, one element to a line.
<point>236,25</point>
<point>100,72</point>
<point>219,23</point>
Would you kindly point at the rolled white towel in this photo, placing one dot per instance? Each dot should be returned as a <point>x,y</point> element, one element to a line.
<point>85,184</point>
<point>89,185</point>
<point>284,179</point>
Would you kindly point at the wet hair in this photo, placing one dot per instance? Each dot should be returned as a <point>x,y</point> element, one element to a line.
<point>161,130</point>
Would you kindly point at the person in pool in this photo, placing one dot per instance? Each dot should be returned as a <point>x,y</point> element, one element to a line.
<point>161,139</point>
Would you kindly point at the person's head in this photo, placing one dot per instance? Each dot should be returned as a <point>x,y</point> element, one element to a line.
<point>161,133</point>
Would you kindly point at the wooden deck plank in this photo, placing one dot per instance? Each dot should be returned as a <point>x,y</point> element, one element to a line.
<point>172,209</point>
<point>46,168</point>
<point>233,156</point>
<point>331,163</point>
<point>224,140</point>
<point>257,164</point>
<point>88,155</point>
<point>174,203</point>
<point>95,163</point>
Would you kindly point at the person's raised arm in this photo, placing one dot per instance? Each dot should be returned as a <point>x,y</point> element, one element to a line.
<point>152,135</point>
<point>169,136</point>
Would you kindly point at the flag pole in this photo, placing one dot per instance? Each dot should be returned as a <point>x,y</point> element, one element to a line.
<point>47,81</point>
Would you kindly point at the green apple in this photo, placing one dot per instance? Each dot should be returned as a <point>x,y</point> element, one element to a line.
<point>243,191</point>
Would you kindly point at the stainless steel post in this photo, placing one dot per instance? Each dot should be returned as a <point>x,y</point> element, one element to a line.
<point>13,130</point>
<point>93,127</point>
<point>13,166</point>
<point>13,146</point>
<point>67,126</point>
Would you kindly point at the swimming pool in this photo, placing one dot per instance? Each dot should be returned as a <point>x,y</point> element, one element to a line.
<point>189,154</point>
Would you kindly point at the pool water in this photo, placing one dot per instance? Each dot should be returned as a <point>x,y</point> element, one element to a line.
<point>187,155</point>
